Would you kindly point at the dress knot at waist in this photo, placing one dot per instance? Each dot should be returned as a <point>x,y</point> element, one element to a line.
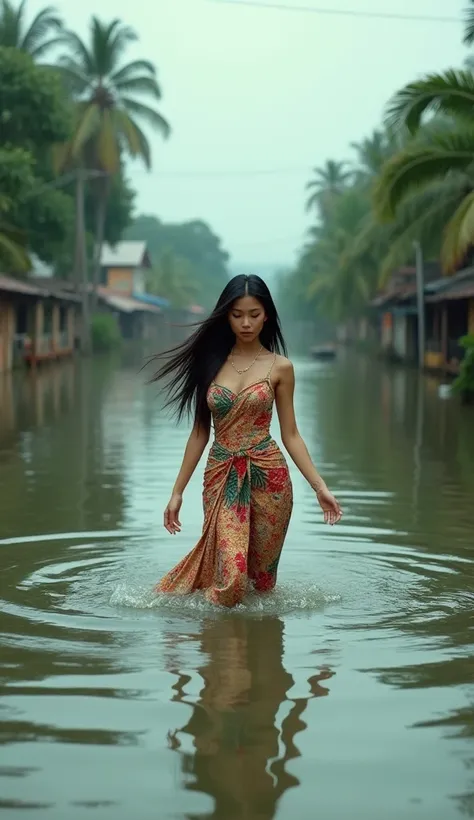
<point>221,452</point>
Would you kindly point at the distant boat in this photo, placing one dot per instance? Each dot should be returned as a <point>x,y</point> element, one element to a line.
<point>327,351</point>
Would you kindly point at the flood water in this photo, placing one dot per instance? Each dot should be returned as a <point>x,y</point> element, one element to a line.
<point>348,693</point>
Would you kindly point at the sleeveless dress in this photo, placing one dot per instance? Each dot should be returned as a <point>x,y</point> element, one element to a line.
<point>247,501</point>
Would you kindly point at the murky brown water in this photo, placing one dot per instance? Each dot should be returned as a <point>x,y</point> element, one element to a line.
<point>347,694</point>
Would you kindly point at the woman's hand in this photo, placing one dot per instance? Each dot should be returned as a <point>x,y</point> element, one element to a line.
<point>170,519</point>
<point>329,505</point>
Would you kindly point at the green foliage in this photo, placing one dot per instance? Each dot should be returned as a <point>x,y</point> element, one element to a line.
<point>464,384</point>
<point>469,24</point>
<point>118,216</point>
<point>119,211</point>
<point>440,156</point>
<point>193,242</point>
<point>173,278</point>
<point>16,173</point>
<point>34,115</point>
<point>13,255</point>
<point>105,333</point>
<point>450,94</point>
<point>34,111</point>
<point>119,207</point>
<point>43,33</point>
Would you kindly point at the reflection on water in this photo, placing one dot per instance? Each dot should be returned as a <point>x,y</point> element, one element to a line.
<point>239,746</point>
<point>117,703</point>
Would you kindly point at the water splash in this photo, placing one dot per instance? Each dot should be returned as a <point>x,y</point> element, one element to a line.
<point>288,597</point>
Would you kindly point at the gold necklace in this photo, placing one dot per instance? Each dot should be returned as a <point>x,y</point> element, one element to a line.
<point>244,370</point>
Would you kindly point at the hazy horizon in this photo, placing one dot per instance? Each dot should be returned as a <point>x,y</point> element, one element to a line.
<point>258,97</point>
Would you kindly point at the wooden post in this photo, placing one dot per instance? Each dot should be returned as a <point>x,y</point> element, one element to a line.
<point>7,332</point>
<point>470,317</point>
<point>420,301</point>
<point>3,337</point>
<point>444,333</point>
<point>37,331</point>
<point>55,328</point>
<point>70,327</point>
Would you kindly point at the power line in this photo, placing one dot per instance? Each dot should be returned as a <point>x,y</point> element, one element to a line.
<point>259,172</point>
<point>380,15</point>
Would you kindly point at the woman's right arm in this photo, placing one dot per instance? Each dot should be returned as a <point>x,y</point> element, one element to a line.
<point>194,449</point>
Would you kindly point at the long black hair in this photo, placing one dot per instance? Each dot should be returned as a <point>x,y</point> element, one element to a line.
<point>190,367</point>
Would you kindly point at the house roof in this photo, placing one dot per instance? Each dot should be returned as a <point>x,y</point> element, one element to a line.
<point>463,289</point>
<point>459,286</point>
<point>131,253</point>
<point>49,288</point>
<point>125,304</point>
<point>395,295</point>
<point>8,283</point>
<point>402,284</point>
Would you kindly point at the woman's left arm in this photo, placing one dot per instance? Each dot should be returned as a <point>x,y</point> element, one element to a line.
<point>294,444</point>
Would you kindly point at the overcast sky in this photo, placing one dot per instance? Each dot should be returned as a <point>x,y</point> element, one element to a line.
<point>257,97</point>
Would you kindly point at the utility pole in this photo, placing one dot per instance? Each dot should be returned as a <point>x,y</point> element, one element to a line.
<point>81,278</point>
<point>420,302</point>
<point>80,273</point>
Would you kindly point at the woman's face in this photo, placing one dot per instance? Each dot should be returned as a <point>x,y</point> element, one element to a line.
<point>246,318</point>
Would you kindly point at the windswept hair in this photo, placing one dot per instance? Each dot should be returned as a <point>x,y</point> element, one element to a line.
<point>190,367</point>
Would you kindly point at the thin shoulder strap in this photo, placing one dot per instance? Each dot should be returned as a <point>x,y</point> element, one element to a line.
<point>271,366</point>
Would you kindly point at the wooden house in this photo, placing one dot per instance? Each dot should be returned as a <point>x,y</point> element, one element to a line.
<point>124,266</point>
<point>37,323</point>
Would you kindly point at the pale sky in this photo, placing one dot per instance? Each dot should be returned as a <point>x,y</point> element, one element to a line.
<point>257,97</point>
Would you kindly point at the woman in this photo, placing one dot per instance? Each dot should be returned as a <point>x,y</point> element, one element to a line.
<point>231,371</point>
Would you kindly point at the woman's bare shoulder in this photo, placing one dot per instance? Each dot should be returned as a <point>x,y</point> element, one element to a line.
<point>283,367</point>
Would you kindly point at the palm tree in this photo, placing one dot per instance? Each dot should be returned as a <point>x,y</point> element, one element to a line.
<point>108,107</point>
<point>329,181</point>
<point>469,23</point>
<point>373,152</point>
<point>43,33</point>
<point>338,284</point>
<point>440,160</point>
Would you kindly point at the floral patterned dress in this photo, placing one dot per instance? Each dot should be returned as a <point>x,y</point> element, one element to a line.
<point>247,502</point>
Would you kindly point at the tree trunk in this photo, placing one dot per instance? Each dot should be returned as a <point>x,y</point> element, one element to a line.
<point>99,236</point>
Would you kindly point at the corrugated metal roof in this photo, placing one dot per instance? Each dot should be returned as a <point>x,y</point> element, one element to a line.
<point>446,283</point>
<point>130,253</point>
<point>7,283</point>
<point>52,290</point>
<point>395,295</point>
<point>459,290</point>
<point>125,304</point>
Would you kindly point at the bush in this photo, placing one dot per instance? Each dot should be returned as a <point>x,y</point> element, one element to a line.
<point>105,332</point>
<point>464,384</point>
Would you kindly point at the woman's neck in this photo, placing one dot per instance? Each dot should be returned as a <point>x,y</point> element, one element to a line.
<point>244,349</point>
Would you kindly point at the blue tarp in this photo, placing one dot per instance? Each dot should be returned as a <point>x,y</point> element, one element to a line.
<point>149,299</point>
